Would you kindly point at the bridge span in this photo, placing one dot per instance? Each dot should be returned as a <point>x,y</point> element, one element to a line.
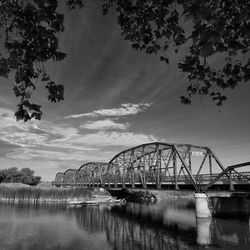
<point>160,165</point>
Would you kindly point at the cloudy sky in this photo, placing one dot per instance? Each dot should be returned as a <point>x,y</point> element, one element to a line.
<point>115,98</point>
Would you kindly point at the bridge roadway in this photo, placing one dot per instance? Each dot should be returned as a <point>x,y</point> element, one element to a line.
<point>161,166</point>
<point>244,187</point>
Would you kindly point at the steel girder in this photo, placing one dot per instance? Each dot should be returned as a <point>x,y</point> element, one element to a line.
<point>89,174</point>
<point>92,174</point>
<point>151,165</point>
<point>155,164</point>
<point>59,178</point>
<point>232,175</point>
<point>70,177</point>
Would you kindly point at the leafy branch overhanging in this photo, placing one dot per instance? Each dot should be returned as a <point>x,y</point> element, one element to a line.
<point>29,30</point>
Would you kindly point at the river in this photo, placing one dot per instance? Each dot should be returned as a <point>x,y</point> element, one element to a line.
<point>134,226</point>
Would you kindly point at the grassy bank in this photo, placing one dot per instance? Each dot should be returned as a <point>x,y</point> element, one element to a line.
<point>15,192</point>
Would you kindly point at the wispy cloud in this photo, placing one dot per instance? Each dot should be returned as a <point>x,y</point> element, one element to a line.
<point>46,141</point>
<point>46,155</point>
<point>124,110</point>
<point>106,138</point>
<point>37,133</point>
<point>106,124</point>
<point>100,141</point>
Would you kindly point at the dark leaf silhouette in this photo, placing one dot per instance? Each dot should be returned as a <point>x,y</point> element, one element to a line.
<point>217,29</point>
<point>29,40</point>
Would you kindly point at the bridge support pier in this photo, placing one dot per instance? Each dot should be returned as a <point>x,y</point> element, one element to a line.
<point>201,205</point>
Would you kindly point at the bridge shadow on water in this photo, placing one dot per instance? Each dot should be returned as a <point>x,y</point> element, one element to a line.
<point>170,225</point>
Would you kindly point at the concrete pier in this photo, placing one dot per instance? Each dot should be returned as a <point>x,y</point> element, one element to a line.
<point>202,205</point>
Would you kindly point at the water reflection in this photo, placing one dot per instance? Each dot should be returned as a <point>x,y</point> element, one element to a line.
<point>44,228</point>
<point>203,226</point>
<point>127,230</point>
<point>226,234</point>
<point>163,226</point>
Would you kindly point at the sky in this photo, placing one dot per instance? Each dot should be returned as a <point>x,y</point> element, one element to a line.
<point>115,98</point>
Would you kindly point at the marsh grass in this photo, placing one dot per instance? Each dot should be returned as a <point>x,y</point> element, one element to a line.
<point>23,193</point>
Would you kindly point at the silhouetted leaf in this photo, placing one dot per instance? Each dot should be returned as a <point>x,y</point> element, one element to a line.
<point>30,39</point>
<point>165,59</point>
<point>217,27</point>
<point>4,68</point>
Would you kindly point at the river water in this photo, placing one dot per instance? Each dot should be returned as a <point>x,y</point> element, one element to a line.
<point>169,225</point>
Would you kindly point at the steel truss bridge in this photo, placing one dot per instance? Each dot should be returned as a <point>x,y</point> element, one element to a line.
<point>162,166</point>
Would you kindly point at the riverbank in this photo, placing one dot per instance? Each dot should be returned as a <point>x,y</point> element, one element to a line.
<point>151,195</point>
<point>16,192</point>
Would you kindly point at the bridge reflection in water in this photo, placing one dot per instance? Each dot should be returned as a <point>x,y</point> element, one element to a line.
<point>171,225</point>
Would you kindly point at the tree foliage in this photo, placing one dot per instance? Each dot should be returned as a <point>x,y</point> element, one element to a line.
<point>25,176</point>
<point>28,36</point>
<point>217,27</point>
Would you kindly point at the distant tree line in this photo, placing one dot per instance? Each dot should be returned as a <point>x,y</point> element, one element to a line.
<point>13,175</point>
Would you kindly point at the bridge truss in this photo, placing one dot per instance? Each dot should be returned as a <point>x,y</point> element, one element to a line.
<point>89,174</point>
<point>92,174</point>
<point>156,165</point>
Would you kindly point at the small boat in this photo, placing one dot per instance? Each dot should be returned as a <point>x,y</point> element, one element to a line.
<point>96,200</point>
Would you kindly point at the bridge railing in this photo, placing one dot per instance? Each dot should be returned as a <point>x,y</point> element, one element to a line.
<point>205,181</point>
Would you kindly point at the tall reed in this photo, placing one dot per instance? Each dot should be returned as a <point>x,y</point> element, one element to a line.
<point>37,194</point>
